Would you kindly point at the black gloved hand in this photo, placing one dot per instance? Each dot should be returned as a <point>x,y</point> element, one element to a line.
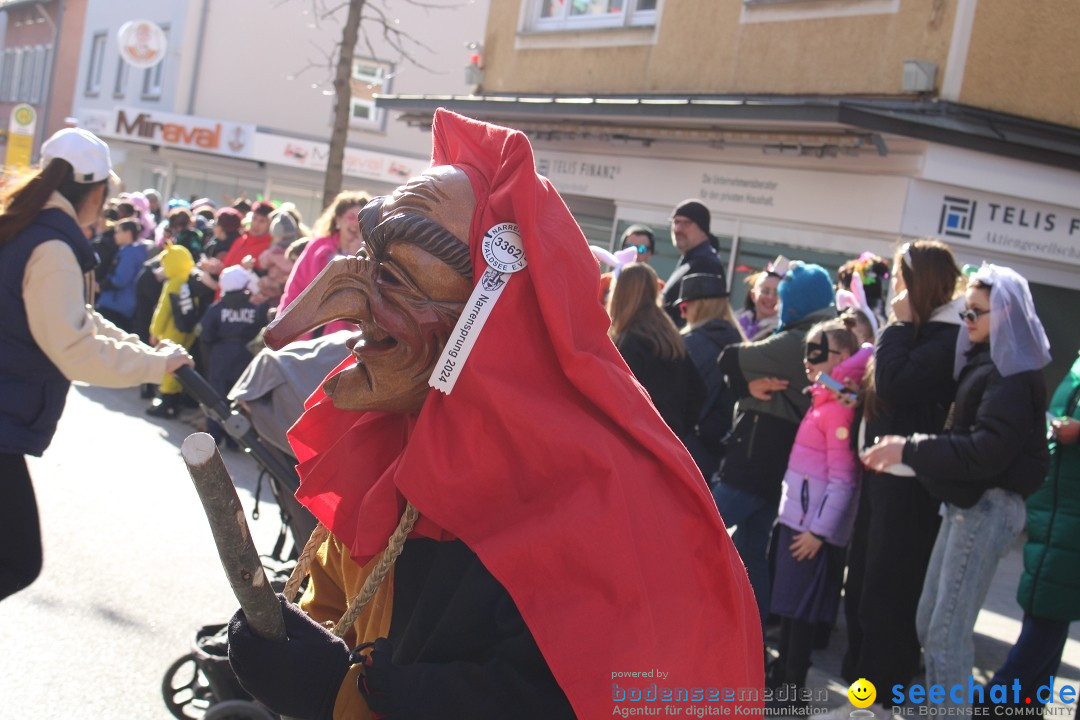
<point>299,677</point>
<point>375,683</point>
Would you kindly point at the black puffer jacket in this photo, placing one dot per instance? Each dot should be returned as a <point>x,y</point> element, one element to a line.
<point>998,436</point>
<point>913,376</point>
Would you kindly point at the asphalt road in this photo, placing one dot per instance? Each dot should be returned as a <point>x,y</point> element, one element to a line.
<point>130,567</point>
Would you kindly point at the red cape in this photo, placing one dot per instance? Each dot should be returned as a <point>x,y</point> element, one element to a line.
<point>549,461</point>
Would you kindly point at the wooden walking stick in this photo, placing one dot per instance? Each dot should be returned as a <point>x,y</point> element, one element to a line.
<point>233,537</point>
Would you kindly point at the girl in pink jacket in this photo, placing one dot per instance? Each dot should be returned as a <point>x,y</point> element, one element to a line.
<point>817,510</point>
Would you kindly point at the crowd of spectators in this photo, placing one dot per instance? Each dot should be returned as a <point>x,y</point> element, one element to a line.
<point>870,439</point>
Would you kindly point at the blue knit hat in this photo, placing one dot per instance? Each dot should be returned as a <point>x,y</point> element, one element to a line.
<point>805,289</point>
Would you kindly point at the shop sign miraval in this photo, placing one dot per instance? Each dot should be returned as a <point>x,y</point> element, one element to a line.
<point>994,223</point>
<point>185,132</point>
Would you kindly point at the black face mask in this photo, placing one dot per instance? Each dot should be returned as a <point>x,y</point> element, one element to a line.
<point>817,353</point>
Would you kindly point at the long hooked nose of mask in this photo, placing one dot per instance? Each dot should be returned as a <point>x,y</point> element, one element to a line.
<point>339,292</point>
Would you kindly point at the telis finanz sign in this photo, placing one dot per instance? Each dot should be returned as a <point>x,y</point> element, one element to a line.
<point>993,223</point>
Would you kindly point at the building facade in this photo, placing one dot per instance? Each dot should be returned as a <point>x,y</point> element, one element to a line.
<point>39,41</point>
<point>241,105</point>
<point>816,129</point>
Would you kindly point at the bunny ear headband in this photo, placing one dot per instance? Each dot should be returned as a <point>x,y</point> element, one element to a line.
<point>855,298</point>
<point>615,260</point>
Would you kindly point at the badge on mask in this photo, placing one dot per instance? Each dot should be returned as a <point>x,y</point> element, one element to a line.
<point>505,255</point>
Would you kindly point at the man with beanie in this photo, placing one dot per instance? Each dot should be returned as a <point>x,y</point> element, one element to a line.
<point>697,252</point>
<point>548,538</point>
<point>751,475</point>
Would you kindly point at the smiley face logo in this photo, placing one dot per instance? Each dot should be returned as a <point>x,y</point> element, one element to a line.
<point>862,693</point>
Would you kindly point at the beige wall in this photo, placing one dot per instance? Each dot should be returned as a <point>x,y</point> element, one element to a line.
<point>703,48</point>
<point>1023,56</point>
<point>1025,59</point>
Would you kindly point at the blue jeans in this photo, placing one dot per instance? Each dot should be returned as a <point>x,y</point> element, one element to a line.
<point>753,517</point>
<point>969,545</point>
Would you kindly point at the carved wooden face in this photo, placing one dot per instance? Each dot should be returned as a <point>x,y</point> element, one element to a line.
<point>405,289</point>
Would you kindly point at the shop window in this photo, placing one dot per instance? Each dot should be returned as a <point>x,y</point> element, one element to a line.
<point>590,14</point>
<point>221,188</point>
<point>97,60</point>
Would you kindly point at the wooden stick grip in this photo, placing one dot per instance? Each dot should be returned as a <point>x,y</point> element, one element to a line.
<point>232,536</point>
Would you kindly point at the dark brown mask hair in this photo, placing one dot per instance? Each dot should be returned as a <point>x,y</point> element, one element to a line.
<point>415,228</point>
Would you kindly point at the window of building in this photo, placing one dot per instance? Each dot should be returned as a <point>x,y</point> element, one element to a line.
<point>368,77</point>
<point>16,74</point>
<point>120,85</point>
<point>154,76</point>
<point>7,72</point>
<point>589,14</point>
<point>368,71</point>
<point>97,60</point>
<point>362,110</point>
<point>760,11</point>
<point>34,75</point>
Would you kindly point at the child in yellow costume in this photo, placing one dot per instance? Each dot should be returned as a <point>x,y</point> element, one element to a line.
<point>176,264</point>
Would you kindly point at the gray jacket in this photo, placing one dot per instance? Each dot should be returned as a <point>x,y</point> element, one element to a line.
<point>781,356</point>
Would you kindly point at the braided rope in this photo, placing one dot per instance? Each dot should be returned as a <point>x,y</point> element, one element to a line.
<point>393,548</point>
<point>303,563</point>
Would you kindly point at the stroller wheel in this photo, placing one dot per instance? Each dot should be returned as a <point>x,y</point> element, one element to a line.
<point>238,710</point>
<point>186,690</point>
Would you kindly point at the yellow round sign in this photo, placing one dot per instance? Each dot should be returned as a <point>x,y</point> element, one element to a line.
<point>24,115</point>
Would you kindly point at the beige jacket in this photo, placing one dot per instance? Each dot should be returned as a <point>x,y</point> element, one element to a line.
<point>83,345</point>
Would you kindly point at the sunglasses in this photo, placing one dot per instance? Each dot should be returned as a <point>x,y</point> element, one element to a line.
<point>818,352</point>
<point>972,315</point>
<point>642,249</point>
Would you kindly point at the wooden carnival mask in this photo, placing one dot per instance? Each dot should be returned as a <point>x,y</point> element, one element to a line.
<point>405,289</point>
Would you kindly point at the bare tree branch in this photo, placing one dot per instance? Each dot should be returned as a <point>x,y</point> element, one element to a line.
<point>342,102</point>
<point>367,19</point>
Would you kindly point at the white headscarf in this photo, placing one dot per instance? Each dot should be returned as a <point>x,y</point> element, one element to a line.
<point>1017,339</point>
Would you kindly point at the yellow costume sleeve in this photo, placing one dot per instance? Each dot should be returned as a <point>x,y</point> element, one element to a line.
<point>335,580</point>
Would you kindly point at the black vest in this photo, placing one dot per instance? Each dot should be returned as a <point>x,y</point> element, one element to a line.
<point>32,387</point>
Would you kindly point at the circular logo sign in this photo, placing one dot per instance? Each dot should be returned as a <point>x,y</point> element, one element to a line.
<point>24,115</point>
<point>142,43</point>
<point>502,248</point>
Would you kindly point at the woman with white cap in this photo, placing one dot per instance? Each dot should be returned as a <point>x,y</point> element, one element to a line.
<point>50,335</point>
